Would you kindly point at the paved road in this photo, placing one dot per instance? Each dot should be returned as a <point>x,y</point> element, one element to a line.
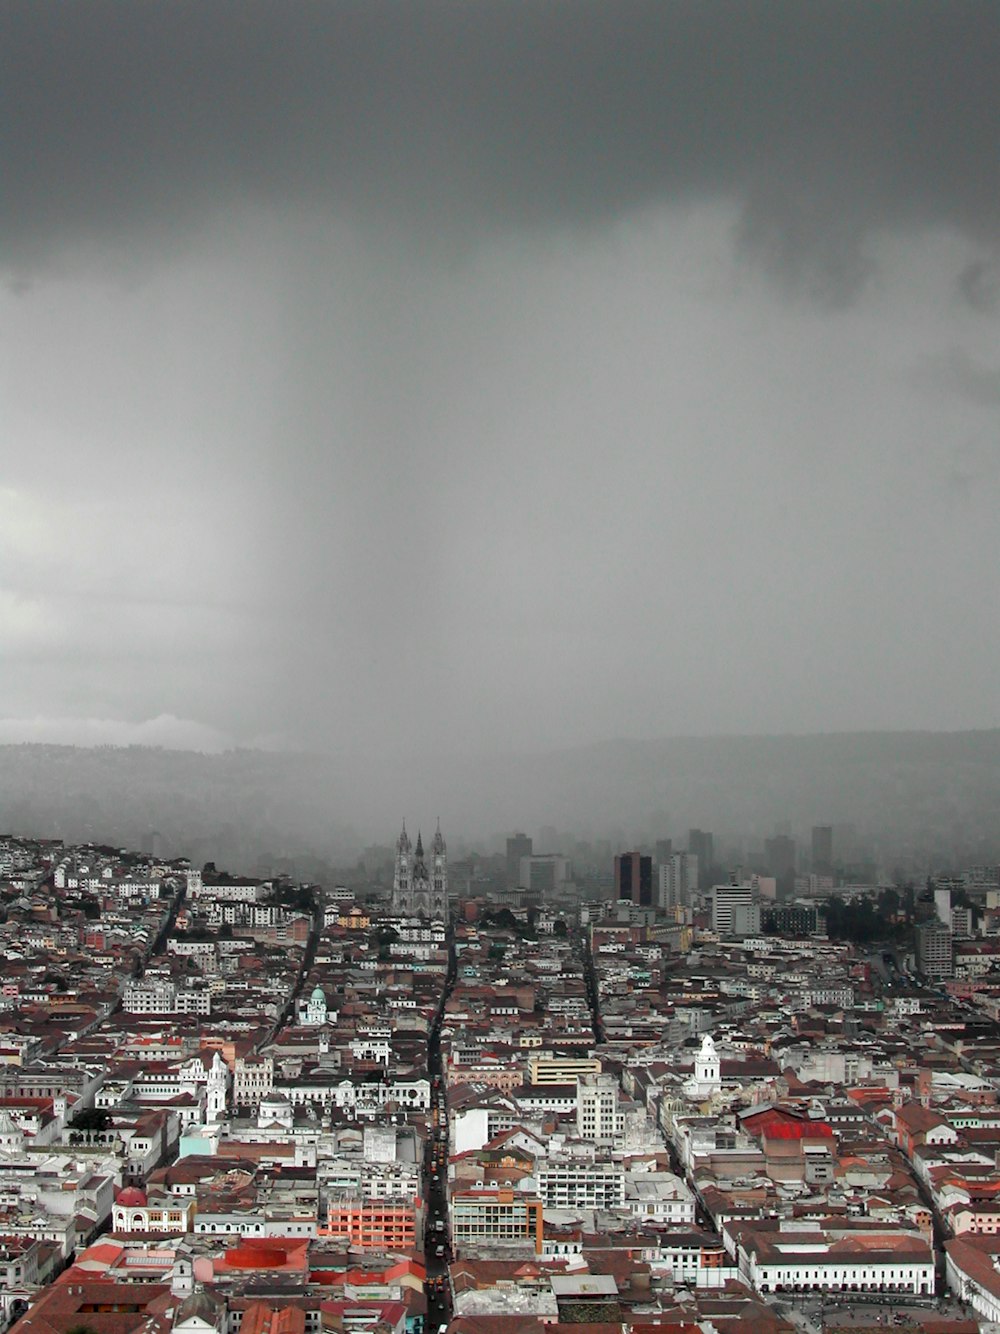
<point>436,1227</point>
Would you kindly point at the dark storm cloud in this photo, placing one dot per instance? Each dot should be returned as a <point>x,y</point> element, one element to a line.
<point>375,371</point>
<point>118,116</point>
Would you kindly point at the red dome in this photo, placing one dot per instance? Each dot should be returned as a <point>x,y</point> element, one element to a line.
<point>132,1198</point>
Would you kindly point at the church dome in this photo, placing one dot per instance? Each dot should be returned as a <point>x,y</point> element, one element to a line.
<point>132,1198</point>
<point>8,1126</point>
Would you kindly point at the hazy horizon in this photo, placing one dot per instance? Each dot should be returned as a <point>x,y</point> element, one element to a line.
<point>411,382</point>
<point>922,801</point>
<point>174,734</point>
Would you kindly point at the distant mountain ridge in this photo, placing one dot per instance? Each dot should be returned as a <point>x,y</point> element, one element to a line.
<point>924,796</point>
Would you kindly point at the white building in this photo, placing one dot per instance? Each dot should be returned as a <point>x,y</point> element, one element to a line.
<point>379,1144</point>
<point>363,1099</point>
<point>678,880</point>
<point>598,1115</point>
<point>972,1274</point>
<point>833,993</point>
<point>572,1183</point>
<point>225,890</point>
<point>707,1077</point>
<point>149,997</point>
<point>313,1013</point>
<point>834,1259</point>
<point>735,911</point>
<point>253,1079</point>
<point>659,1197</point>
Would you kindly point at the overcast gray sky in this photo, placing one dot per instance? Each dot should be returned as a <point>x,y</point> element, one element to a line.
<point>473,376</point>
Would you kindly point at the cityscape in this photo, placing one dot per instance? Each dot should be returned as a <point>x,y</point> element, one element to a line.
<point>485,1103</point>
<point>500,710</point>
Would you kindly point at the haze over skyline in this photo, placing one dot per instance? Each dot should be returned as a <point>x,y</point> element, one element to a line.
<point>414,380</point>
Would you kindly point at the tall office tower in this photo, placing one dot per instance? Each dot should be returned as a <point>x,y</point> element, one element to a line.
<point>664,850</point>
<point>543,875</point>
<point>678,879</point>
<point>735,911</point>
<point>780,854</point>
<point>152,843</point>
<point>942,905</point>
<point>701,843</point>
<point>961,923</point>
<point>518,846</point>
<point>634,878</point>
<point>548,838</point>
<point>598,1115</point>
<point>822,849</point>
<point>935,950</point>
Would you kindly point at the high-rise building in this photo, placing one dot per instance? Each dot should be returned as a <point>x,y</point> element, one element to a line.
<point>416,887</point>
<point>678,880</point>
<point>496,1214</point>
<point>518,846</point>
<point>822,849</point>
<point>780,855</point>
<point>702,844</point>
<point>664,850</point>
<point>152,843</point>
<point>935,950</point>
<point>544,874</point>
<point>634,878</point>
<point>548,838</point>
<point>790,919</point>
<point>961,923</point>
<point>735,911</point>
<point>598,1114</point>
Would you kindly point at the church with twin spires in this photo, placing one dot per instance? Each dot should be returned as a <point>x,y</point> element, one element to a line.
<point>420,885</point>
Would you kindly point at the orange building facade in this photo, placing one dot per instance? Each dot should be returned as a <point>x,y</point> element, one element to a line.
<point>373,1225</point>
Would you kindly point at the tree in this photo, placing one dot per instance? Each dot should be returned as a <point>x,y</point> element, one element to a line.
<point>889,901</point>
<point>861,921</point>
<point>298,897</point>
<point>93,1119</point>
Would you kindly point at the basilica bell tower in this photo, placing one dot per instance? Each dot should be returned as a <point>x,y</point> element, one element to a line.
<point>420,882</point>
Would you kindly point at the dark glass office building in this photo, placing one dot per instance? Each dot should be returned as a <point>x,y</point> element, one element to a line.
<point>634,879</point>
